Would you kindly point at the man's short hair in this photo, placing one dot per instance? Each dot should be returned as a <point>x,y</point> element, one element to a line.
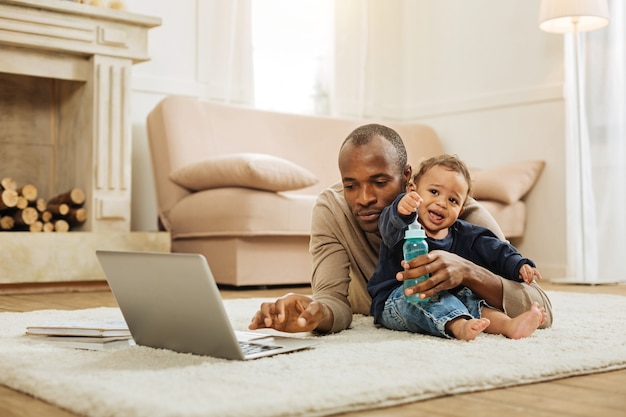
<point>364,134</point>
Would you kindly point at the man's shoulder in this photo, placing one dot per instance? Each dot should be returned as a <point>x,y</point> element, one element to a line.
<point>332,195</point>
<point>476,214</point>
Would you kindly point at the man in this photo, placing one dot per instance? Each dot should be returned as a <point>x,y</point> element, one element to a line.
<point>345,242</point>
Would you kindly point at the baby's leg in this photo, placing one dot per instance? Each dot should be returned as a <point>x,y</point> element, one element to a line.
<point>467,329</point>
<point>518,327</point>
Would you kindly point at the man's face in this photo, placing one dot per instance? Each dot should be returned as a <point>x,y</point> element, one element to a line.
<point>371,179</point>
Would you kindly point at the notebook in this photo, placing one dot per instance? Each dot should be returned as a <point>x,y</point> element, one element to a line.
<point>171,301</point>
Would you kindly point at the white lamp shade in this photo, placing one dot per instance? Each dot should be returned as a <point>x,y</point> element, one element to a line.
<point>561,16</point>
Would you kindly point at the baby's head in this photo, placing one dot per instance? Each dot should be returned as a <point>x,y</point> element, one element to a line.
<point>443,183</point>
<point>449,162</point>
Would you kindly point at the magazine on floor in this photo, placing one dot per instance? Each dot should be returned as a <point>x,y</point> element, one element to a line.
<point>84,342</point>
<point>86,329</point>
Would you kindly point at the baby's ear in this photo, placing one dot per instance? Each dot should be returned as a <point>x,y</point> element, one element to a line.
<point>411,187</point>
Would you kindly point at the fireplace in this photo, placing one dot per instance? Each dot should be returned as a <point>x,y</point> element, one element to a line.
<point>40,142</point>
<point>64,101</point>
<point>65,72</point>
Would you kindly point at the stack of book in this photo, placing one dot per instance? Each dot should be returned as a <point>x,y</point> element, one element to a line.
<point>83,335</point>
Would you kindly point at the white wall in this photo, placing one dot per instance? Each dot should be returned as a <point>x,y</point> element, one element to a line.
<point>480,72</point>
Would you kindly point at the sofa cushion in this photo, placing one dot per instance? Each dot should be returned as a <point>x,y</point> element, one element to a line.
<point>250,170</point>
<point>507,183</point>
<point>235,211</point>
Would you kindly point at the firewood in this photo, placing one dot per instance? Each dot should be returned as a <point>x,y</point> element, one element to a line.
<point>8,199</point>
<point>28,191</point>
<point>76,216</point>
<point>26,217</point>
<point>48,227</point>
<point>22,202</point>
<point>46,216</point>
<point>60,209</point>
<point>41,204</point>
<point>61,225</point>
<point>8,183</point>
<point>37,226</point>
<point>6,222</point>
<point>74,197</point>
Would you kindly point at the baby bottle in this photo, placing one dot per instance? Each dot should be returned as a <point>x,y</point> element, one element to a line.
<point>414,245</point>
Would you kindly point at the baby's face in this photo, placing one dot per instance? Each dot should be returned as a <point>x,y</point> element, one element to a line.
<point>443,192</point>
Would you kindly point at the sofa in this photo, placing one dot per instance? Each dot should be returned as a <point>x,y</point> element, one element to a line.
<point>238,184</point>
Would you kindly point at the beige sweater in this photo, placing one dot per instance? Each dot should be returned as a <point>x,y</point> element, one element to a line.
<point>344,256</point>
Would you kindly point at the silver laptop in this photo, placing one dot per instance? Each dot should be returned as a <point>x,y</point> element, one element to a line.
<point>171,301</point>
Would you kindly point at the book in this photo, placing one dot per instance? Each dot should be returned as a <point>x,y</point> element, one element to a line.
<point>86,329</point>
<point>84,342</point>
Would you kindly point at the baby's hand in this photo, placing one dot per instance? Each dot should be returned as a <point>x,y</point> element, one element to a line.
<point>528,274</point>
<point>409,203</point>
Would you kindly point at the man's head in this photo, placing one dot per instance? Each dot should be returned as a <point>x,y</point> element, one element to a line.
<point>444,183</point>
<point>374,170</point>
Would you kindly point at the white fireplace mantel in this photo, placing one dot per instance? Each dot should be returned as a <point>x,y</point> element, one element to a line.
<point>89,51</point>
<point>65,72</point>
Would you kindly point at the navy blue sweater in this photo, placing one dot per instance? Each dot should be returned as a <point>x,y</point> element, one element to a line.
<point>475,243</point>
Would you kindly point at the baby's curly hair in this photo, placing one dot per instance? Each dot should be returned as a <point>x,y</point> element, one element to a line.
<point>450,162</point>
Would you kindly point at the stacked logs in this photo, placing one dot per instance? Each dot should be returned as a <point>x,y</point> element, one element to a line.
<point>22,210</point>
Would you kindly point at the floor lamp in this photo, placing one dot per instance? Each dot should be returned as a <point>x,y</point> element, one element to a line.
<point>576,16</point>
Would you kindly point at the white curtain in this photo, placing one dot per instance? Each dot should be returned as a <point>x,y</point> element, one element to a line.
<point>580,204</point>
<point>226,27</point>
<point>605,105</point>
<point>347,96</point>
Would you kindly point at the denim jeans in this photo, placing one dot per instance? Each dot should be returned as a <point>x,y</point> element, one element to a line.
<point>430,317</point>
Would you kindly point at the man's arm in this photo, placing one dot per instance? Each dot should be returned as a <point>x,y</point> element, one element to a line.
<point>329,309</point>
<point>330,281</point>
<point>448,271</point>
<point>516,298</point>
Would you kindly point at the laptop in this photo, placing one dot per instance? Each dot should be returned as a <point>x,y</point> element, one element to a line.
<point>171,301</point>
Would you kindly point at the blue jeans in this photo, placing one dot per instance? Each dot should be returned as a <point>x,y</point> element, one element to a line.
<point>430,317</point>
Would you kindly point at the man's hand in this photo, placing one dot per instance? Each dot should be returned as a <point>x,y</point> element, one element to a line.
<point>292,313</point>
<point>448,271</point>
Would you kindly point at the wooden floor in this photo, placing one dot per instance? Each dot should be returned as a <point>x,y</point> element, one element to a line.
<point>602,395</point>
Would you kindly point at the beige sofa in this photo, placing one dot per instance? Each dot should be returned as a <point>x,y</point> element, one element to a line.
<point>238,184</point>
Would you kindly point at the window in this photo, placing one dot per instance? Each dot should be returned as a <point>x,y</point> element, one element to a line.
<point>292,54</point>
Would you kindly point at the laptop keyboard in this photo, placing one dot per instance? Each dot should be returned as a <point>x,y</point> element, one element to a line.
<point>250,348</point>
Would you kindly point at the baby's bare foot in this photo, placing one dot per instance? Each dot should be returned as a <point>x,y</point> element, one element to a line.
<point>526,323</point>
<point>464,329</point>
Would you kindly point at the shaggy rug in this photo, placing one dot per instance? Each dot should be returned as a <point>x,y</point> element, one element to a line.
<point>361,368</point>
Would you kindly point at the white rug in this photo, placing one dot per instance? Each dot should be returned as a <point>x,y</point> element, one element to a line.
<point>358,369</point>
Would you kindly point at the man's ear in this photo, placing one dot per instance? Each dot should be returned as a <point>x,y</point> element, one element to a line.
<point>406,176</point>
